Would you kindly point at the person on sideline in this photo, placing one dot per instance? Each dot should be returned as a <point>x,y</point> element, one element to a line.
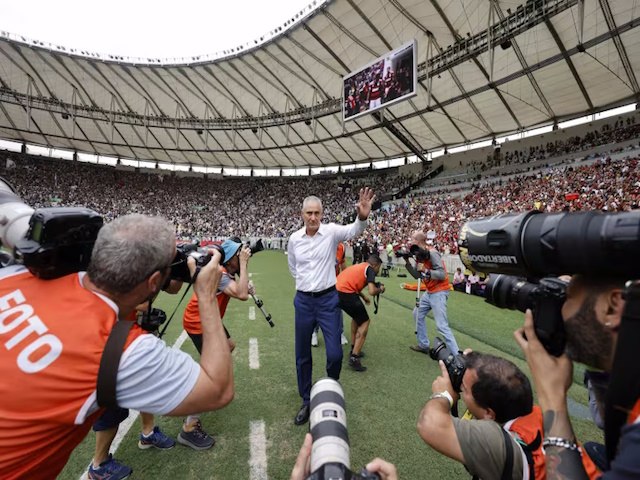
<point>311,256</point>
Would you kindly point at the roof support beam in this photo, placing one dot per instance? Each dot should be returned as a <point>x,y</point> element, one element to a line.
<point>570,64</point>
<point>525,67</point>
<point>624,58</point>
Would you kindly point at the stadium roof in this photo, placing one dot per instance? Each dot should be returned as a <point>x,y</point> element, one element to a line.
<point>277,102</point>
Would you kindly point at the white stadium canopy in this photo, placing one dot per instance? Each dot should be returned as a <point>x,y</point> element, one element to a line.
<point>485,68</point>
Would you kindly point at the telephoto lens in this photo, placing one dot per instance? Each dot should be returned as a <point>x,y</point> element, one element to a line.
<point>328,424</point>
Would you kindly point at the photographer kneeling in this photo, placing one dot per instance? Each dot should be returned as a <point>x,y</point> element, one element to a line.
<point>495,391</point>
<point>54,333</point>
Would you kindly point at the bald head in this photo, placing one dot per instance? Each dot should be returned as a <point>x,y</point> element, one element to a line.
<point>419,238</point>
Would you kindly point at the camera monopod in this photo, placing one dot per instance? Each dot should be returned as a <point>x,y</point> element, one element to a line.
<point>260,305</point>
<point>415,310</point>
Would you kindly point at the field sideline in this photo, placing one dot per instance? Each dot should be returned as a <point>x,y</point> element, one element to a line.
<point>382,403</point>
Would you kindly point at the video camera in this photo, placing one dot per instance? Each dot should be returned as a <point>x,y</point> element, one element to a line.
<point>50,242</point>
<point>533,245</point>
<point>328,425</point>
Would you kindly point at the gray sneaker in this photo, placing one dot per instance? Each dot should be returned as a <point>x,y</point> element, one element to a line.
<point>197,438</point>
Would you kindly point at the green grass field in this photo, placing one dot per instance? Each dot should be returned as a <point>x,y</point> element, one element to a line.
<point>382,404</point>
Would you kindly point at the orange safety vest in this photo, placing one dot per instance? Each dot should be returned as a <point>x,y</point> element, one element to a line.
<point>528,432</point>
<point>433,286</point>
<point>52,333</point>
<point>352,279</point>
<point>191,317</point>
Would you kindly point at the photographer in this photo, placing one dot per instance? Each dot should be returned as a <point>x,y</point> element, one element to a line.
<point>433,275</point>
<point>54,332</point>
<point>592,314</point>
<point>495,391</point>
<point>236,262</point>
<point>350,284</point>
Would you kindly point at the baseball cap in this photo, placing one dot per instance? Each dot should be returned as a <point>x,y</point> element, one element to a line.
<point>230,248</point>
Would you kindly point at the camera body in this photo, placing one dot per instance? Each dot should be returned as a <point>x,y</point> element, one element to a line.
<point>59,241</point>
<point>328,425</point>
<point>337,471</point>
<point>151,321</point>
<point>545,299</point>
<point>420,254</point>
<point>179,267</point>
<point>455,363</point>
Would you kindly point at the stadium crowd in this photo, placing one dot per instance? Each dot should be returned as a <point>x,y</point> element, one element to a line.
<point>206,209</point>
<point>605,185</point>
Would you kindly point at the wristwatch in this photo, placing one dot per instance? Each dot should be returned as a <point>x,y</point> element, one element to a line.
<point>443,394</point>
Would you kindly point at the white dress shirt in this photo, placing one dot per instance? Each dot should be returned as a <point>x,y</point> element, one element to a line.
<point>312,260</point>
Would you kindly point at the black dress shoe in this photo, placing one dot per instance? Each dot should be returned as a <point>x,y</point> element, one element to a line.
<point>303,415</point>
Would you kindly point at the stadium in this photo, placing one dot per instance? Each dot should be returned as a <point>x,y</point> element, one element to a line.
<point>449,111</point>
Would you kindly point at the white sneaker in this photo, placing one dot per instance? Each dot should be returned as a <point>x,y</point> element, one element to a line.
<point>314,339</point>
<point>343,339</point>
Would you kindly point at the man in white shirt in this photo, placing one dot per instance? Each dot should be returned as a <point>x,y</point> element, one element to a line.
<point>311,251</point>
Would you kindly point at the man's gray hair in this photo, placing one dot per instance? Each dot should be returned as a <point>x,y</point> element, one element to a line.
<point>129,249</point>
<point>311,199</point>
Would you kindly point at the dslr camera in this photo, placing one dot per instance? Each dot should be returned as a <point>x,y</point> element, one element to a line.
<point>328,424</point>
<point>179,267</point>
<point>455,363</point>
<point>50,242</point>
<point>420,254</point>
<point>531,249</point>
<point>151,320</point>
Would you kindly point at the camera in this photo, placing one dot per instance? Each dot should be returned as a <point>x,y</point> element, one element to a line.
<point>402,253</point>
<point>151,320</point>
<point>535,244</point>
<point>455,363</point>
<point>50,242</point>
<point>179,267</point>
<point>255,247</point>
<point>545,299</point>
<point>420,254</point>
<point>328,424</point>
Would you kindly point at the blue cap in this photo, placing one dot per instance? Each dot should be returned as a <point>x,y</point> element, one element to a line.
<point>230,248</point>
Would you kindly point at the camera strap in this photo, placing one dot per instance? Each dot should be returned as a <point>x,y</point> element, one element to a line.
<point>109,363</point>
<point>624,386</point>
<point>166,325</point>
<point>376,304</point>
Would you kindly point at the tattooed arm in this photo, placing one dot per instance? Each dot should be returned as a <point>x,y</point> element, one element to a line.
<point>552,378</point>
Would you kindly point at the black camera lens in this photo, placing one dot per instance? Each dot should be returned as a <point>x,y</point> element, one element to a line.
<point>536,244</point>
<point>455,364</point>
<point>505,291</point>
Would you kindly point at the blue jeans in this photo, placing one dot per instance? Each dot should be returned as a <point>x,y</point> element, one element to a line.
<point>311,312</point>
<point>438,303</point>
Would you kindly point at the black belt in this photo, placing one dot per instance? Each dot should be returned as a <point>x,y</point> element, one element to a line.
<point>320,293</point>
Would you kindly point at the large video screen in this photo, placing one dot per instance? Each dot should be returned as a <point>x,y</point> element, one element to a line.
<point>387,80</point>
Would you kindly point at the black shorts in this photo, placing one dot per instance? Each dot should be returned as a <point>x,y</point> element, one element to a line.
<point>352,305</point>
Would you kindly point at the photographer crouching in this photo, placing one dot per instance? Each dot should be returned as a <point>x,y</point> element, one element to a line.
<point>54,333</point>
<point>495,392</point>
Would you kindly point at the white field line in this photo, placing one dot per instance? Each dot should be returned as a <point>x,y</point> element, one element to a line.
<point>258,449</point>
<point>254,358</point>
<point>125,426</point>
<point>252,312</point>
